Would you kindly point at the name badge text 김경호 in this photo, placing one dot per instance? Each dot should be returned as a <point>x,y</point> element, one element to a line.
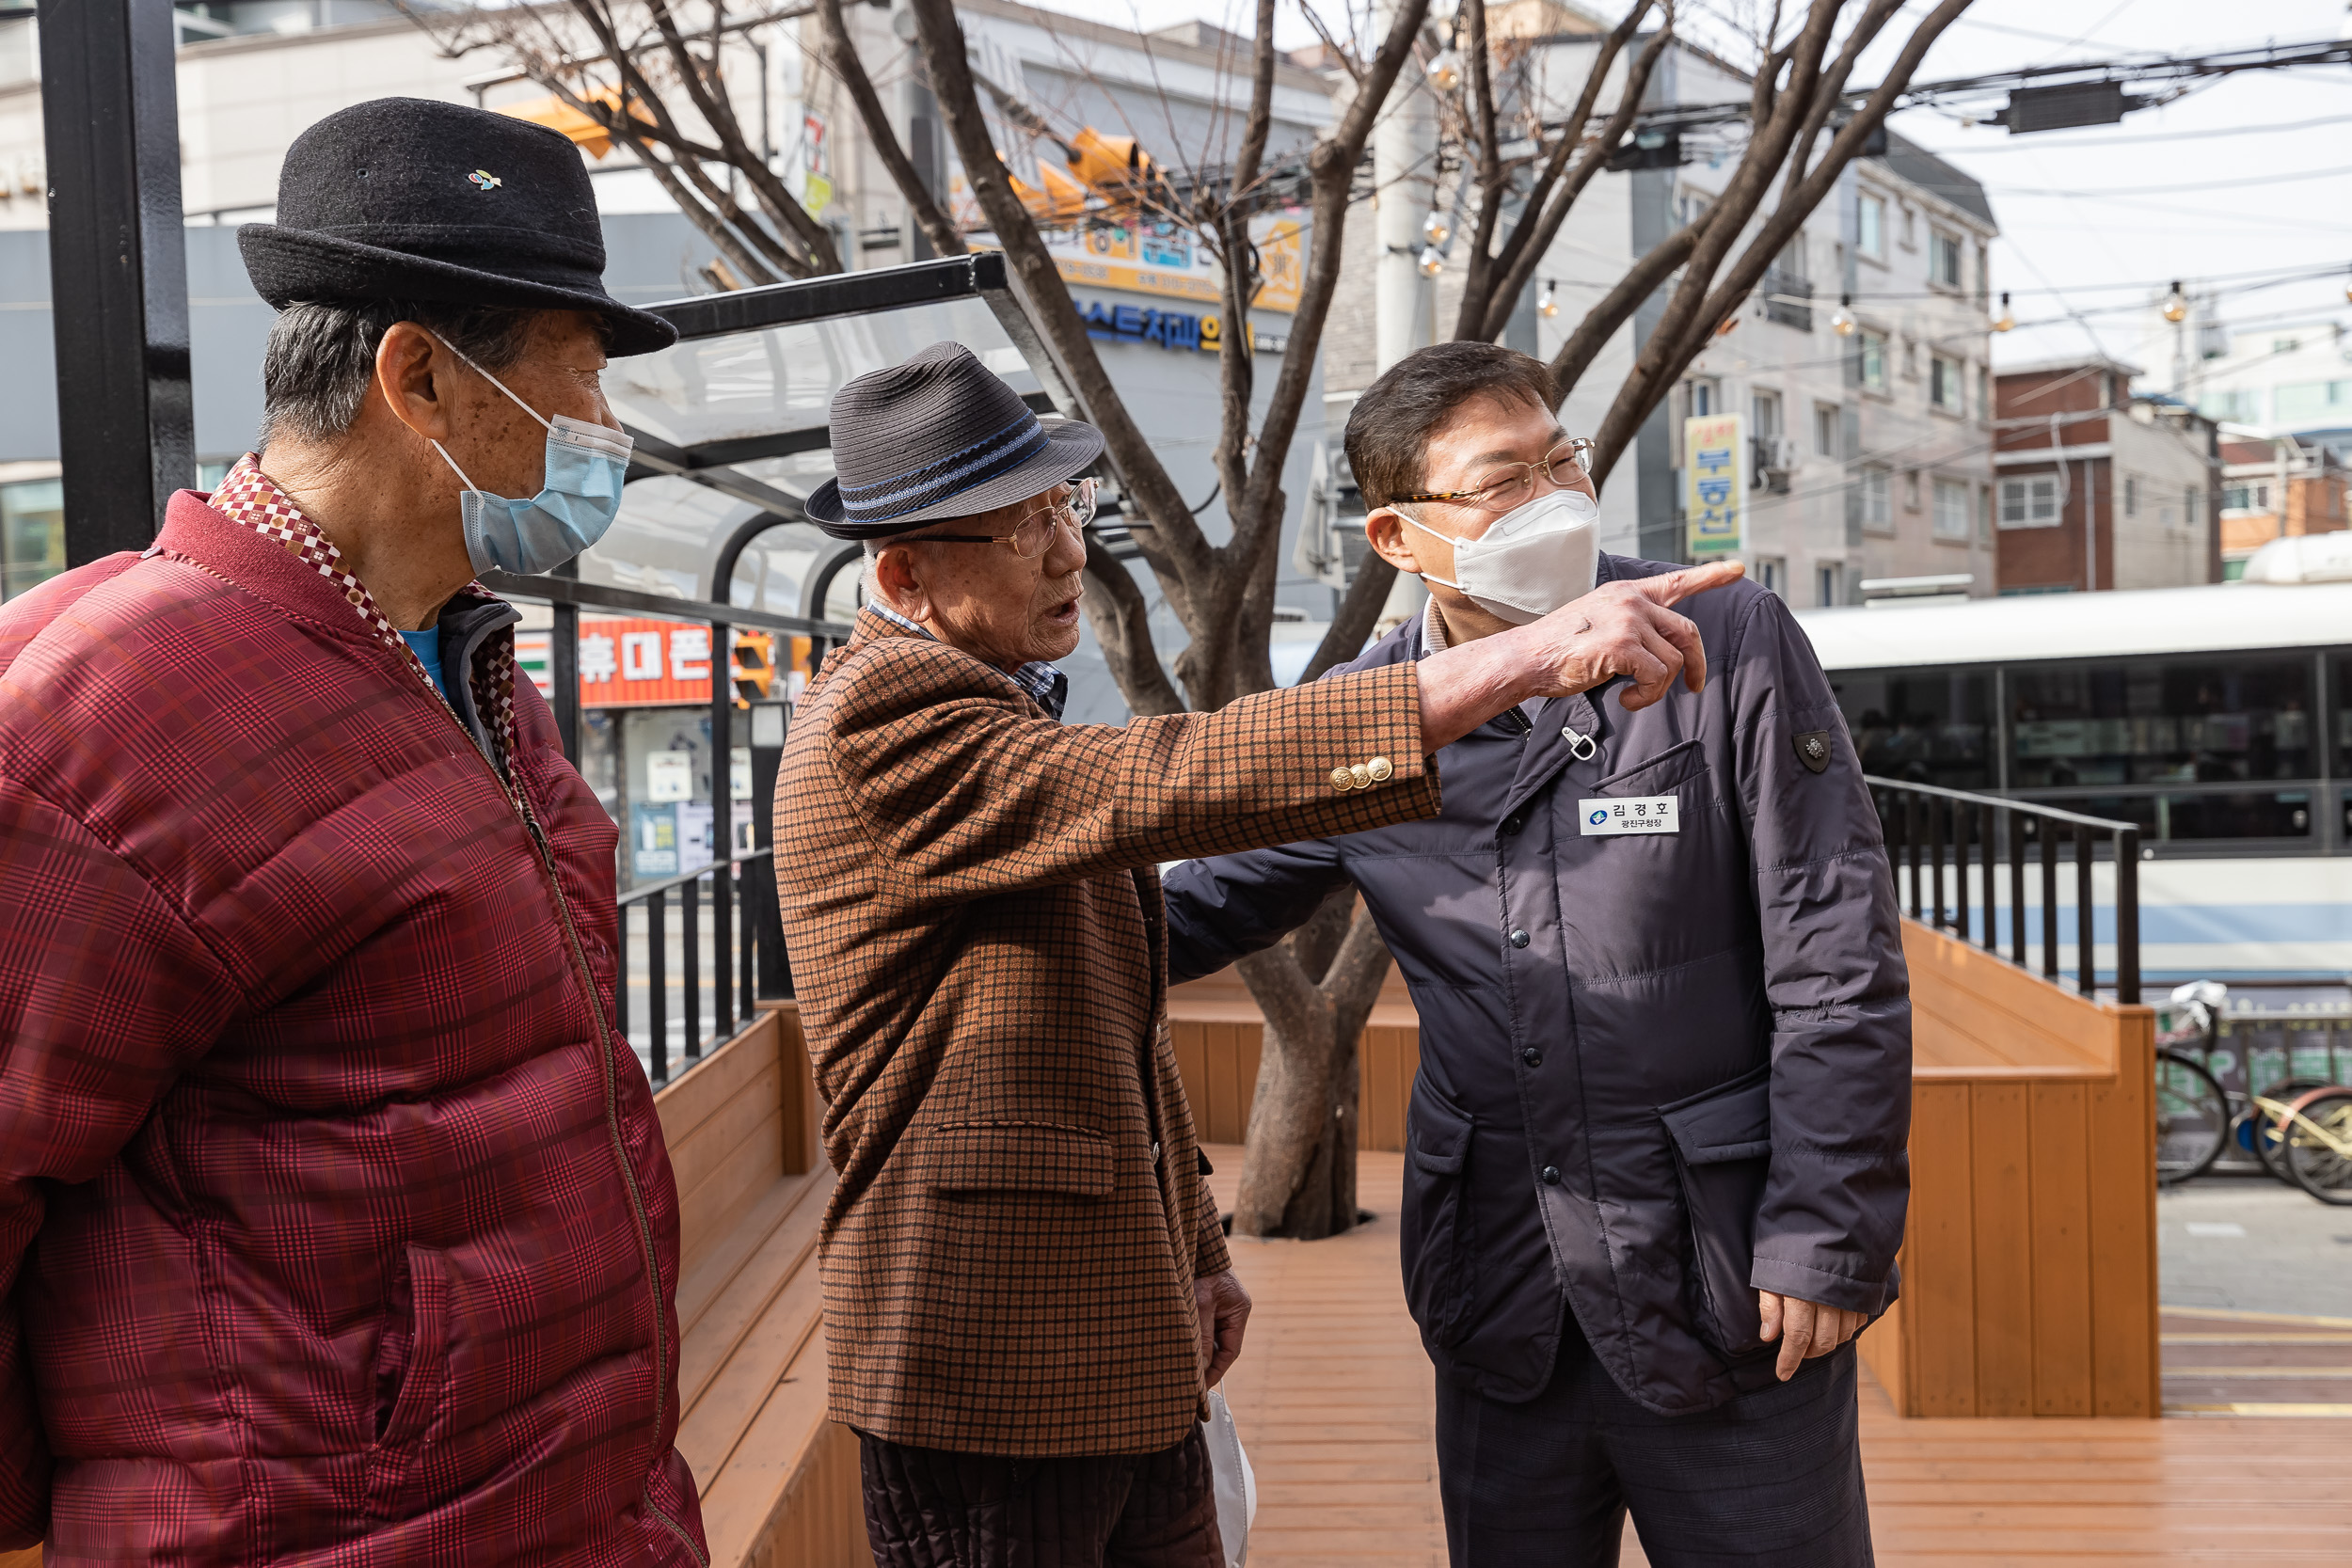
<point>1627,814</point>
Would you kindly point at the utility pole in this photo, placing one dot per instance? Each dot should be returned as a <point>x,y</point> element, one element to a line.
<point>1404,192</point>
<point>117,270</point>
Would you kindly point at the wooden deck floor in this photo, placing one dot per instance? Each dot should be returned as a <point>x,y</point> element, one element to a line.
<point>1333,1397</point>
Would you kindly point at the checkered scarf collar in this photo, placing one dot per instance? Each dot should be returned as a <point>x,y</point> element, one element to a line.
<point>1045,682</point>
<point>250,499</point>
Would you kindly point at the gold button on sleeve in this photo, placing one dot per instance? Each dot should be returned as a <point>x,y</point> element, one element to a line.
<point>1361,775</point>
<point>1381,770</point>
<point>1343,779</point>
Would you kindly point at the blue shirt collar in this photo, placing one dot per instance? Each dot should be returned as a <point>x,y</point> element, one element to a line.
<point>1041,680</point>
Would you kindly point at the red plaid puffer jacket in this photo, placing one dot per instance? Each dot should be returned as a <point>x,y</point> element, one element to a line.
<point>335,1224</point>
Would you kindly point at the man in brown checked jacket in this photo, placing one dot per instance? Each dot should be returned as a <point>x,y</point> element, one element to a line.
<point>1027,1290</point>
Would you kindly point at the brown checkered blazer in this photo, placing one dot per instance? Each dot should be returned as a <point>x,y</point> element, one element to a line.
<point>974,917</point>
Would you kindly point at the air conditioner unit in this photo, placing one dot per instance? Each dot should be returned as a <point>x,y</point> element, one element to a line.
<point>1332,523</point>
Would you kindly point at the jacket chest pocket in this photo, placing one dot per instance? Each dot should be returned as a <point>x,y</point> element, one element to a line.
<point>1646,899</point>
<point>1722,1149</point>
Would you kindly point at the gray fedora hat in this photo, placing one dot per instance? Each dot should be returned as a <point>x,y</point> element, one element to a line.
<point>938,436</point>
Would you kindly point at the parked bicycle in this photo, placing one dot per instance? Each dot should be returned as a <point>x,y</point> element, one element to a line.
<point>2299,1129</point>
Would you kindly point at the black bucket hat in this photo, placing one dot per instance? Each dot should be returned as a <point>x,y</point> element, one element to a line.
<point>940,436</point>
<point>411,200</point>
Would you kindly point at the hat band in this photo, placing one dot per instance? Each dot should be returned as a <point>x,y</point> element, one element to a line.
<point>918,488</point>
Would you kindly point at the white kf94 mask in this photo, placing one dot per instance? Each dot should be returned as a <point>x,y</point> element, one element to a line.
<point>1531,561</point>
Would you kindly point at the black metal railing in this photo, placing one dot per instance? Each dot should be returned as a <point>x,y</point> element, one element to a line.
<point>1930,831</point>
<point>725,969</point>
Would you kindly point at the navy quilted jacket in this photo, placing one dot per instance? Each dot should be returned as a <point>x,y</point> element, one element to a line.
<point>1659,1070</point>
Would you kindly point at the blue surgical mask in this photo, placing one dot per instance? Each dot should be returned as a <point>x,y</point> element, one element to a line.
<point>575,503</point>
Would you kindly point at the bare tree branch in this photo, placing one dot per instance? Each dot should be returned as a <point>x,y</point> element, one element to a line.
<point>840,58</point>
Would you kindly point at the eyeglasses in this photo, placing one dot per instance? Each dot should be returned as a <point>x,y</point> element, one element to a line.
<point>1033,535</point>
<point>1499,489</point>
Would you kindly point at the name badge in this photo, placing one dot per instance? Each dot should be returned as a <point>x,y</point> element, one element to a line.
<point>1632,814</point>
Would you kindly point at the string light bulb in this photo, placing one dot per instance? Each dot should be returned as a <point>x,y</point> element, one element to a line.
<point>1445,72</point>
<point>1431,262</point>
<point>1435,230</point>
<point>1842,322</point>
<point>2008,321</point>
<point>2176,303</point>
<point>1549,306</point>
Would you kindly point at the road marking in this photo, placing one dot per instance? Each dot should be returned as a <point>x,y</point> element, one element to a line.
<point>2231,1314</point>
<point>2215,1228</point>
<point>2259,1371</point>
<point>2258,1409</point>
<point>2257,1339</point>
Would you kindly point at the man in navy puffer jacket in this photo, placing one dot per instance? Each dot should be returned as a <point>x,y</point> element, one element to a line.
<point>1657,1174</point>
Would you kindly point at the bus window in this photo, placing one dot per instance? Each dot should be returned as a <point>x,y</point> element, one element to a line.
<point>2162,721</point>
<point>1921,727</point>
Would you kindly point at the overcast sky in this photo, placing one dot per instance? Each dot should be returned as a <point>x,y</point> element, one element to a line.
<point>2248,177</point>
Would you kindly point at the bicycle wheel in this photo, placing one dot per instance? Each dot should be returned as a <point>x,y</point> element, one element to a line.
<point>2192,1120</point>
<point>2260,1131</point>
<point>2318,1148</point>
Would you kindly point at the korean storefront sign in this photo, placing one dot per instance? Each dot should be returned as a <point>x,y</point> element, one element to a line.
<point>1715,483</point>
<point>643,663</point>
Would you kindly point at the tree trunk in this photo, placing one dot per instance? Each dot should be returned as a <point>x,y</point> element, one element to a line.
<point>1315,989</point>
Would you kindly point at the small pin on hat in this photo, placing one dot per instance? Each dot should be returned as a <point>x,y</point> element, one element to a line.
<point>483,178</point>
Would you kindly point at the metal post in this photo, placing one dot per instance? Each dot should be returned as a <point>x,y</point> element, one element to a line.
<point>1936,860</point>
<point>564,667</point>
<point>657,986</point>
<point>2016,886</point>
<point>1988,859</point>
<point>1964,823</point>
<point>2127,916</point>
<point>117,270</point>
<point>2086,947</point>
<point>722,821</point>
<point>690,895</point>
<point>769,722</point>
<point>1911,846</point>
<point>2049,899</point>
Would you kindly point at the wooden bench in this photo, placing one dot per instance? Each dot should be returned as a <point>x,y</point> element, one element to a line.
<point>779,1481</point>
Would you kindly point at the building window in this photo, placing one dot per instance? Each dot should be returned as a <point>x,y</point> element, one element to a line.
<point>1764,415</point>
<point>1878,510</point>
<point>1984,514</point>
<point>1910,230</point>
<point>1911,490</point>
<point>1911,358</point>
<point>1773,573</point>
<point>1873,357</point>
<point>2246,497</point>
<point>2189,498</point>
<point>1951,510</point>
<point>1944,259</point>
<point>1826,586</point>
<point>1826,419</point>
<point>2130,495</point>
<point>1984,278</point>
<point>2031,502</point>
<point>2312,399</point>
<point>1945,380</point>
<point>32,535</point>
<point>1702,399</point>
<point>1984,393</point>
<point>1870,228</point>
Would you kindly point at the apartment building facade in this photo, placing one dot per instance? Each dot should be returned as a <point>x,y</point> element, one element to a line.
<point>2277,487</point>
<point>2099,487</point>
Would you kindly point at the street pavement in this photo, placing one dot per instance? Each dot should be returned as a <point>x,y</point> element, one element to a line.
<point>2249,1244</point>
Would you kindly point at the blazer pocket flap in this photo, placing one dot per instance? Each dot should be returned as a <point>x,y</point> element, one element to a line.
<point>1731,1121</point>
<point>1440,1135</point>
<point>1018,1156</point>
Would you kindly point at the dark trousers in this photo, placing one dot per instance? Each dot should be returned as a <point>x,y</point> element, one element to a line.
<point>1773,1477</point>
<point>929,1508</point>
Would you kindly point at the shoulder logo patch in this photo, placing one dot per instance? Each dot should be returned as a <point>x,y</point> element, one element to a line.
<point>1814,750</point>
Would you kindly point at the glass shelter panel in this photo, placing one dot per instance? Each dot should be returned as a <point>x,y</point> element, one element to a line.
<point>1922,726</point>
<point>2159,721</point>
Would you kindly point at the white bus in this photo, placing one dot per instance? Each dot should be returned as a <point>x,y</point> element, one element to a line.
<point>2218,718</point>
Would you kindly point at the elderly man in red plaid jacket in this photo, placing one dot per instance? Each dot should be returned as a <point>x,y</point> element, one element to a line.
<point>1027,1291</point>
<point>335,1224</point>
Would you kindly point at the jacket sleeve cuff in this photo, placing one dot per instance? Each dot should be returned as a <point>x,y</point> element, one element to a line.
<point>1819,1286</point>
